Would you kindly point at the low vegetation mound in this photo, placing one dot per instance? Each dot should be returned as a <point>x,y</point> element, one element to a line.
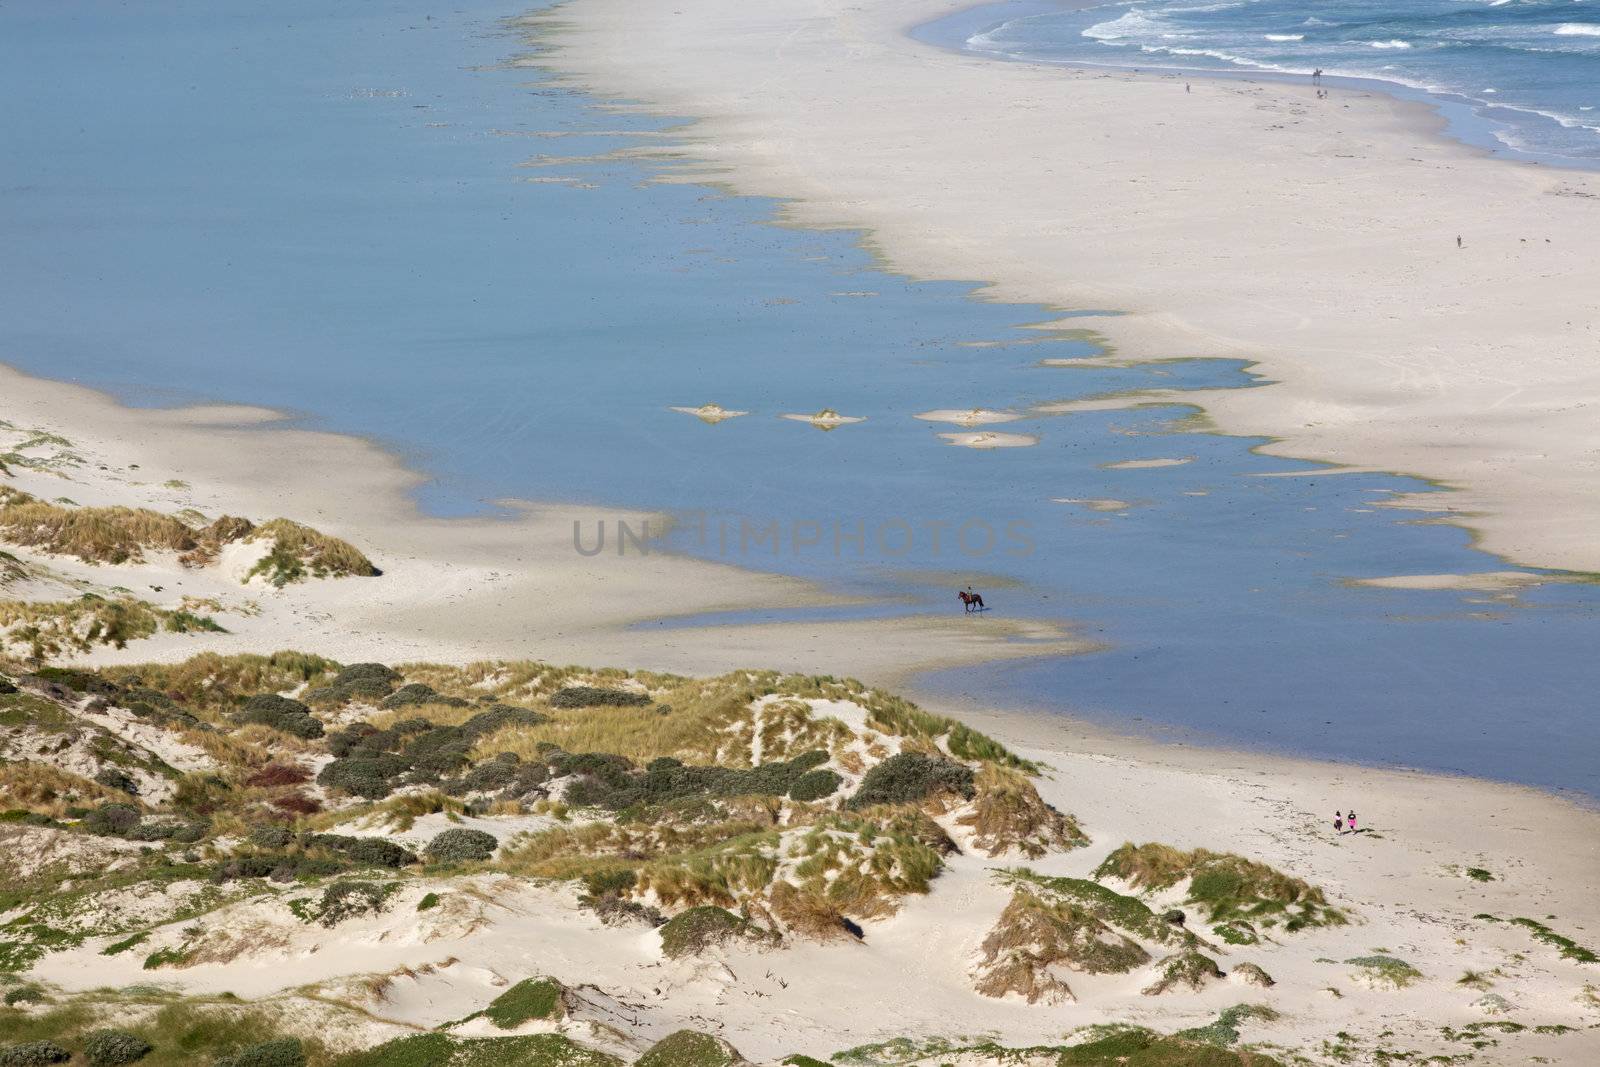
<point>33,1054</point>
<point>372,763</point>
<point>281,713</point>
<point>299,552</point>
<point>589,696</point>
<point>1033,938</point>
<point>1008,815</point>
<point>614,783</point>
<point>530,999</point>
<point>443,1050</point>
<point>461,845</point>
<point>359,681</point>
<point>1129,914</point>
<point>45,630</point>
<point>1190,970</point>
<point>279,1052</point>
<point>112,1048</point>
<point>1230,889</point>
<point>690,1048</point>
<point>96,535</point>
<point>1385,972</point>
<point>693,932</point>
<point>910,777</point>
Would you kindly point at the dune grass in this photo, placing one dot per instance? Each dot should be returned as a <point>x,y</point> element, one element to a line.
<point>1009,815</point>
<point>46,630</point>
<point>95,535</point>
<point>1228,888</point>
<point>1568,948</point>
<point>299,552</point>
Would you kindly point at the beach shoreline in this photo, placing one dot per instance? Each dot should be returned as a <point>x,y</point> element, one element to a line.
<point>1403,878</point>
<point>1457,120</point>
<point>1394,349</point>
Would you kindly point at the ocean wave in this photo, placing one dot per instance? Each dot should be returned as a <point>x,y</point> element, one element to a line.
<point>1286,36</point>
<point>1577,29</point>
<point>1134,23</point>
<point>1396,43</point>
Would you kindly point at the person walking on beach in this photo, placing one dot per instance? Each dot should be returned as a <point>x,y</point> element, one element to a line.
<point>1316,76</point>
<point>1458,240</point>
<point>1338,822</point>
<point>1350,820</point>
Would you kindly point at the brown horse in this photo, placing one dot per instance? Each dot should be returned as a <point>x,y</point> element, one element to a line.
<point>972,601</point>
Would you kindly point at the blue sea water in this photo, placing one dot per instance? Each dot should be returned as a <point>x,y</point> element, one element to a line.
<point>1528,69</point>
<point>376,217</point>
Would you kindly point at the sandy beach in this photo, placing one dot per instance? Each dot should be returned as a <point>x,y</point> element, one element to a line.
<point>465,588</point>
<point>466,774</point>
<point>1315,238</point>
<point>460,590</point>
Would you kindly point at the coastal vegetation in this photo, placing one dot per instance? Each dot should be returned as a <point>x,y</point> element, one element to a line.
<point>122,535</point>
<point>226,809</point>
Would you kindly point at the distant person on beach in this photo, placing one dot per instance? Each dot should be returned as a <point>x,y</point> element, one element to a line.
<point>1316,76</point>
<point>1350,821</point>
<point>1338,822</point>
<point>1186,87</point>
<point>970,600</point>
<point>1458,240</point>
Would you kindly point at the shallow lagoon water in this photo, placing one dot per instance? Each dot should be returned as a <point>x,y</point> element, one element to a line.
<point>327,211</point>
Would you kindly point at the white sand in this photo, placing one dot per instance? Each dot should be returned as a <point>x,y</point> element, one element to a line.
<point>1147,464</point>
<point>452,589</point>
<point>826,420</point>
<point>1482,582</point>
<point>711,413</point>
<point>1403,882</point>
<point>991,439</point>
<point>968,416</point>
<point>1248,220</point>
<point>465,589</point>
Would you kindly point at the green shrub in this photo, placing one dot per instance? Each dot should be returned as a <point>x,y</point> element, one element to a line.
<point>24,994</point>
<point>690,1048</point>
<point>281,713</point>
<point>1386,970</point>
<point>692,932</point>
<point>909,777</point>
<point>348,900</point>
<point>33,1054</point>
<point>281,1052</point>
<point>499,716</point>
<point>371,778</point>
<point>116,778</point>
<point>417,693</point>
<point>460,845</point>
<point>367,681</point>
<point>589,696</point>
<point>367,851</point>
<point>111,820</point>
<point>442,1050</point>
<point>529,999</point>
<point>815,785</point>
<point>111,1048</point>
<point>271,836</point>
<point>428,901</point>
